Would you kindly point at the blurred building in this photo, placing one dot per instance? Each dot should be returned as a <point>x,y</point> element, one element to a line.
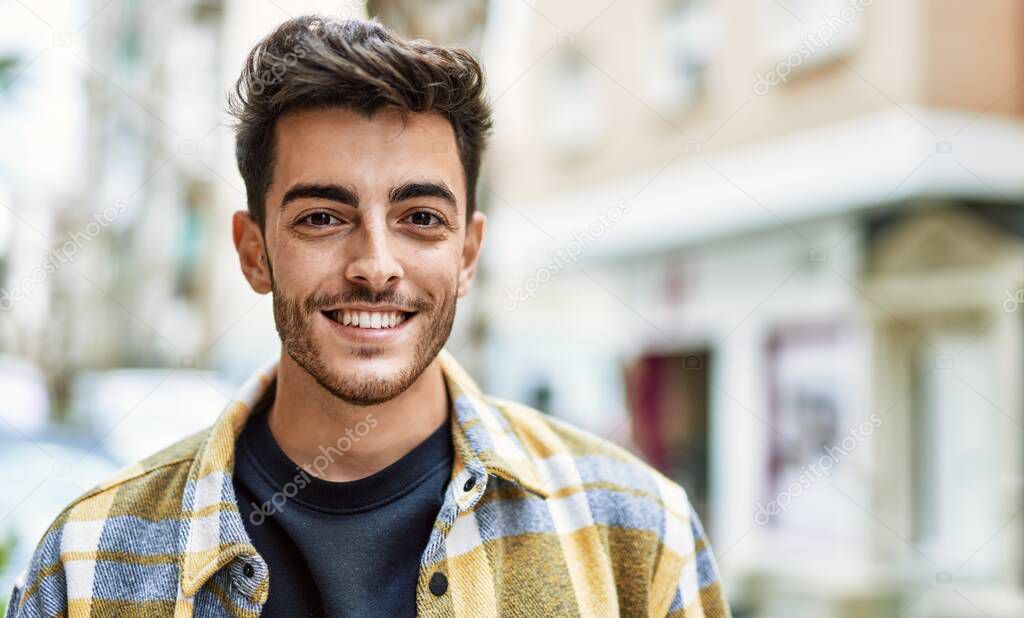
<point>777,247</point>
<point>43,107</point>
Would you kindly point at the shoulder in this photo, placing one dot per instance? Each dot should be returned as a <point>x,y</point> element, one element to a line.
<point>571,455</point>
<point>150,489</point>
<point>142,500</point>
<point>644,521</point>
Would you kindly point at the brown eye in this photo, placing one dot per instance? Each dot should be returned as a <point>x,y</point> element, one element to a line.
<point>423,218</point>
<point>320,219</point>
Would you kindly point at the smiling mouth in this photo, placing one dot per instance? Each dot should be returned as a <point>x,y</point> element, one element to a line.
<point>369,319</point>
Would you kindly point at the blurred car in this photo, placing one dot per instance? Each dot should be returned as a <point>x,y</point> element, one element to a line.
<point>137,412</point>
<point>41,474</point>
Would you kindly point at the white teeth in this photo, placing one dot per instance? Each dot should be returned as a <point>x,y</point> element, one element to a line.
<point>369,319</point>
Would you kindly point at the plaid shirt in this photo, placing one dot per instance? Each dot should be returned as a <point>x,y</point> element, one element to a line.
<point>558,522</point>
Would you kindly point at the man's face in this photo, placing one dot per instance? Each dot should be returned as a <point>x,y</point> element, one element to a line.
<point>368,246</point>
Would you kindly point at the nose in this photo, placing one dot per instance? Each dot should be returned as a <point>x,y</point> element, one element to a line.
<point>373,262</point>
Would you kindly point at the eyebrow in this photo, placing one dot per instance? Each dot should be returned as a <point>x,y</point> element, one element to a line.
<point>348,195</point>
<point>332,192</point>
<point>423,188</point>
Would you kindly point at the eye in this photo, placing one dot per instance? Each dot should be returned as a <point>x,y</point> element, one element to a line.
<point>424,218</point>
<point>320,219</point>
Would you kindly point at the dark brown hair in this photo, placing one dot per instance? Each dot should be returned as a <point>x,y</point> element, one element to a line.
<point>316,62</point>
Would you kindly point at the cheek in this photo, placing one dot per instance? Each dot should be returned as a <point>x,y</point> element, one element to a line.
<point>303,268</point>
<point>435,269</point>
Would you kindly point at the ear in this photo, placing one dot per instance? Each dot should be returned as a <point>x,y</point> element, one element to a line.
<point>471,251</point>
<point>252,255</point>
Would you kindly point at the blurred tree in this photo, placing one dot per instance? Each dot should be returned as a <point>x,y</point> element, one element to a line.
<point>8,71</point>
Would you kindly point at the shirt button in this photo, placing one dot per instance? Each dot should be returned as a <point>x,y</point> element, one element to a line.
<point>438,583</point>
<point>247,570</point>
<point>470,482</point>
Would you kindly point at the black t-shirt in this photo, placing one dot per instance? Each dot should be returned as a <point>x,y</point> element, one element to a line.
<point>339,549</point>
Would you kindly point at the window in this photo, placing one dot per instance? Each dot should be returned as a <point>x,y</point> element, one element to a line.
<point>687,39</point>
<point>802,34</point>
<point>575,114</point>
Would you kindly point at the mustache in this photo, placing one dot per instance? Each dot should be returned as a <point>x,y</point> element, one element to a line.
<point>367,296</point>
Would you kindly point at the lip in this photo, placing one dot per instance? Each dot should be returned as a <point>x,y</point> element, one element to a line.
<point>368,308</point>
<point>368,335</point>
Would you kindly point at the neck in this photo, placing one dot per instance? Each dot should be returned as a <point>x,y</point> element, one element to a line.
<point>338,441</point>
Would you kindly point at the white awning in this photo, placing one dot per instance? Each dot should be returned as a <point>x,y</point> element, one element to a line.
<point>856,165</point>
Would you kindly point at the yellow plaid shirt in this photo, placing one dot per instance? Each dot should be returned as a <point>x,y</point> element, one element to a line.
<point>558,523</point>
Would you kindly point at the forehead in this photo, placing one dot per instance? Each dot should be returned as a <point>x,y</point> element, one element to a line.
<point>340,145</point>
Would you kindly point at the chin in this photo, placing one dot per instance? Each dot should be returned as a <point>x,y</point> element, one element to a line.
<point>370,366</point>
<point>368,376</point>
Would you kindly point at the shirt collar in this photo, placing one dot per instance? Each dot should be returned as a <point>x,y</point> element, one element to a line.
<point>483,441</point>
<point>483,435</point>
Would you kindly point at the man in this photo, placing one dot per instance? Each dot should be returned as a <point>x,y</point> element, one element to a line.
<point>364,473</point>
